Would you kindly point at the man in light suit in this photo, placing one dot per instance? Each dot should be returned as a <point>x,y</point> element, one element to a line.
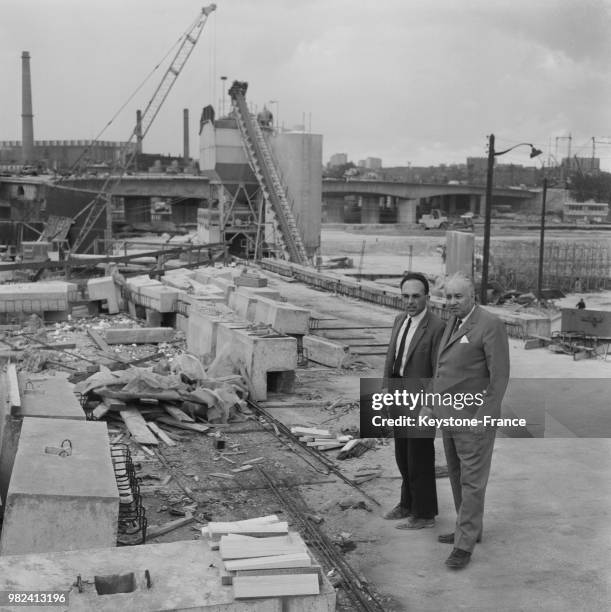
<point>473,357</point>
<point>411,357</point>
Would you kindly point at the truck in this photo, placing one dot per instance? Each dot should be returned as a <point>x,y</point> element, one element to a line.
<point>436,220</point>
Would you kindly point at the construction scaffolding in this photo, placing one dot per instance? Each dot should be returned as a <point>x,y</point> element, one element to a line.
<point>568,266</point>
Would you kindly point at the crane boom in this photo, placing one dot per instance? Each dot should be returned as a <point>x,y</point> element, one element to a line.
<point>102,199</point>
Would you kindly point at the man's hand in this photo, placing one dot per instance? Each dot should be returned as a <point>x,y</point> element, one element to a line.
<point>426,413</point>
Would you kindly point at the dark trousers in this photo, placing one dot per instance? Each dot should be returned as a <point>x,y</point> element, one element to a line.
<point>416,461</point>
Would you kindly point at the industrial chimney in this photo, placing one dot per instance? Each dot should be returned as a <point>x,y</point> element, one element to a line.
<point>185,120</point>
<point>27,118</point>
<point>139,132</point>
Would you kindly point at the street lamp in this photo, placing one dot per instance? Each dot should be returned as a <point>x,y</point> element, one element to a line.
<point>223,79</point>
<point>277,112</point>
<point>483,294</point>
<point>541,239</point>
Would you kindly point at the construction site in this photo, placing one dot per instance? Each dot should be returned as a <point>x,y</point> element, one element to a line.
<point>181,359</point>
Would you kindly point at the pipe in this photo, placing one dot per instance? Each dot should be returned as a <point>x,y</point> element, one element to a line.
<point>27,118</point>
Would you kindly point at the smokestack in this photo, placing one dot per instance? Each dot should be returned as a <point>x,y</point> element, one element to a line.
<point>185,120</point>
<point>139,132</point>
<point>27,118</point>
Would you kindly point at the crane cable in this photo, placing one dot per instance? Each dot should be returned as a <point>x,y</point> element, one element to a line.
<point>132,96</point>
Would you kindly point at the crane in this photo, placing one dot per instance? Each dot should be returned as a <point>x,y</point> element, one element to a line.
<point>102,200</point>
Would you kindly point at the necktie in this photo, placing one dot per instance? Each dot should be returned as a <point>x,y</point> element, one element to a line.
<point>396,370</point>
<point>457,325</point>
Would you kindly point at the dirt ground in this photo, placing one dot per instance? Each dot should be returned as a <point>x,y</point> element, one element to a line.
<point>328,398</point>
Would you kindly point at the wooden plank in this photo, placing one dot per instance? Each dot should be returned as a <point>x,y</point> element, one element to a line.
<point>261,547</point>
<point>275,585</point>
<point>257,530</point>
<point>137,426</point>
<point>242,468</point>
<point>179,425</point>
<point>276,571</point>
<point>13,387</point>
<point>309,431</point>
<point>162,435</point>
<point>221,475</point>
<point>154,531</point>
<point>178,414</point>
<point>298,559</point>
<point>98,340</point>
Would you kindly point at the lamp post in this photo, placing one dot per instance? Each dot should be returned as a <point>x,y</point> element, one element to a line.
<point>277,112</point>
<point>483,294</point>
<point>223,79</point>
<point>541,240</point>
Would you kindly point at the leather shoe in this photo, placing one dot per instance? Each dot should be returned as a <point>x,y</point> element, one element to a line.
<point>416,523</point>
<point>458,559</point>
<point>398,512</point>
<point>448,538</point>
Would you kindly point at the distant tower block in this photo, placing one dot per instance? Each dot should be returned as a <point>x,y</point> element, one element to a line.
<point>27,118</point>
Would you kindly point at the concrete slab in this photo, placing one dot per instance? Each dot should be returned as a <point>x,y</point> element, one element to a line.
<point>60,503</point>
<point>184,576</point>
<point>49,397</point>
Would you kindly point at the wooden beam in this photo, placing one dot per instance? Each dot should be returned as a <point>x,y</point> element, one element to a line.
<point>178,414</point>
<point>179,425</point>
<point>275,586</point>
<point>137,426</point>
<point>298,559</point>
<point>162,435</point>
<point>261,547</point>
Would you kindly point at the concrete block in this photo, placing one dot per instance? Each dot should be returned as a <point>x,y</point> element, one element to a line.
<point>37,297</point>
<point>265,357</point>
<point>59,503</point>
<point>326,352</point>
<point>202,331</point>
<point>185,576</point>
<point>135,283</point>
<point>589,322</point>
<point>159,297</point>
<point>153,318</point>
<point>182,323</point>
<point>283,317</point>
<point>265,292</point>
<point>243,305</point>
<point>530,324</point>
<point>105,289</point>
<point>139,335</point>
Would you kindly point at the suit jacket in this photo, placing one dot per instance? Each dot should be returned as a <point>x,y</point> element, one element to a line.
<point>422,351</point>
<point>479,362</point>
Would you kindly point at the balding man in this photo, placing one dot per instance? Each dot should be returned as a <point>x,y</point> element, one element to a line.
<point>473,357</point>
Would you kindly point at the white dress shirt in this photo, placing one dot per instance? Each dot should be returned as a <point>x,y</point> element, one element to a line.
<point>410,334</point>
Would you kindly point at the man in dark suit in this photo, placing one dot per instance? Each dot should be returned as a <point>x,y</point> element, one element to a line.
<point>473,357</point>
<point>411,357</point>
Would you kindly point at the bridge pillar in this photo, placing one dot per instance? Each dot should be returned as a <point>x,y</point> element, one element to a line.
<point>452,204</point>
<point>482,206</point>
<point>334,210</point>
<point>406,210</point>
<point>474,203</point>
<point>370,209</point>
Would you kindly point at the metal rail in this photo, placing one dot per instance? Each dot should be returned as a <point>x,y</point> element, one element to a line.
<point>358,592</point>
<point>314,453</point>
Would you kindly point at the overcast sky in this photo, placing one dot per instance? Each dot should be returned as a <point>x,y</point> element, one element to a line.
<point>418,81</point>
